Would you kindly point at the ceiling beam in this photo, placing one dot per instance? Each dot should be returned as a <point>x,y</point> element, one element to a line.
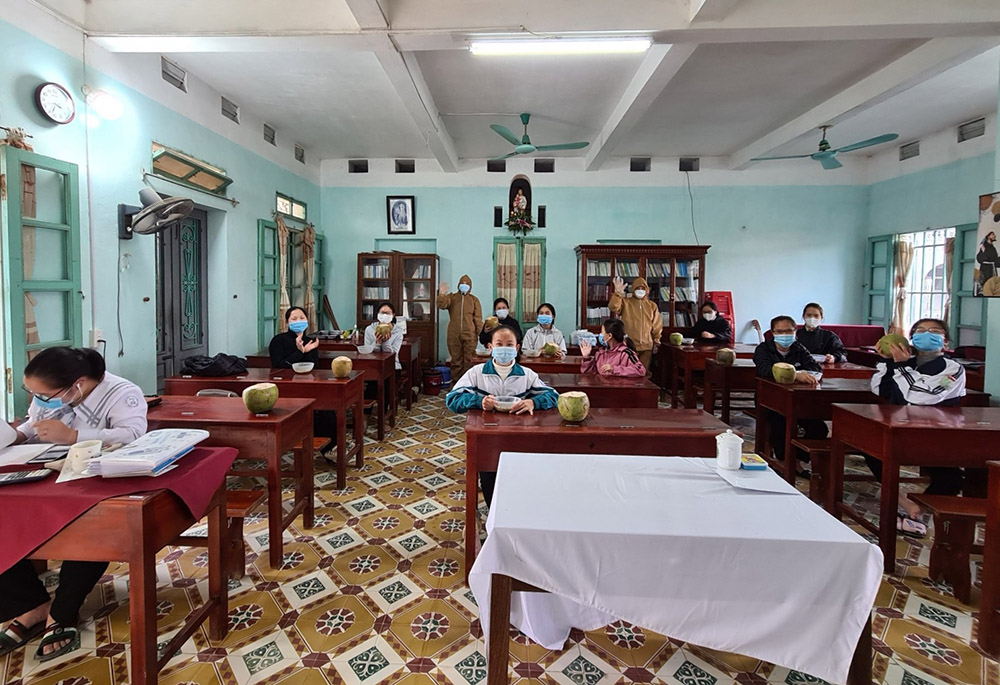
<point>711,10</point>
<point>370,14</point>
<point>931,58</point>
<point>658,68</point>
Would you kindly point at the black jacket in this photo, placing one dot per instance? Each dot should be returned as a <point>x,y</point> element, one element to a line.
<point>719,327</point>
<point>284,352</point>
<point>509,322</point>
<point>822,341</point>
<point>766,355</point>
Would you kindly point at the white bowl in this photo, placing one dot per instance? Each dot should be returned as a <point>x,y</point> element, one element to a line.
<point>505,403</point>
<point>302,367</point>
<point>366,349</point>
<point>688,341</point>
<point>531,354</point>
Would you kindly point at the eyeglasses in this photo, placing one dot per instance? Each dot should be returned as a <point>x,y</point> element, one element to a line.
<point>40,396</point>
<point>929,330</point>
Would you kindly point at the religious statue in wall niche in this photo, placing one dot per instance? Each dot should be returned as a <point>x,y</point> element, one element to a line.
<point>520,203</point>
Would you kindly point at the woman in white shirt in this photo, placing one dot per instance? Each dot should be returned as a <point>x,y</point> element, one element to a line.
<point>386,343</point>
<point>73,399</point>
<point>545,332</point>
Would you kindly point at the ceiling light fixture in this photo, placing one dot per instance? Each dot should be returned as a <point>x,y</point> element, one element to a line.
<point>105,105</point>
<point>560,46</point>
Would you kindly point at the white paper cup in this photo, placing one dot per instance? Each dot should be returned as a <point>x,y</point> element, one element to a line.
<point>81,453</point>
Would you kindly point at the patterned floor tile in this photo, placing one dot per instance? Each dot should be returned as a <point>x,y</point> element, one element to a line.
<point>263,658</point>
<point>684,668</point>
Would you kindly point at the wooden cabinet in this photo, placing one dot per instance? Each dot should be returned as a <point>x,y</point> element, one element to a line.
<point>409,282</point>
<point>675,273</point>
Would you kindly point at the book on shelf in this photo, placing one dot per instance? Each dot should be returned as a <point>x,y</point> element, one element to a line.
<point>685,294</point>
<point>375,271</point>
<point>599,269</point>
<point>375,293</point>
<point>657,269</point>
<point>422,271</point>
<point>628,269</point>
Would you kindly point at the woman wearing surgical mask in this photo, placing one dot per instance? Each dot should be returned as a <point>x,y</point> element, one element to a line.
<point>293,345</point>
<point>616,355</point>
<point>73,399</point>
<point>387,343</point>
<point>712,329</point>
<point>501,310</point>
<point>920,374</point>
<point>545,332</point>
<point>819,340</point>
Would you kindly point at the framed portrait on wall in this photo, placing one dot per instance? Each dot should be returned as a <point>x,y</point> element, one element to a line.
<point>400,214</point>
<point>987,265</point>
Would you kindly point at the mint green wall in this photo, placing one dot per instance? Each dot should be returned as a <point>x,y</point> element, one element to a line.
<point>799,243</point>
<point>118,151</point>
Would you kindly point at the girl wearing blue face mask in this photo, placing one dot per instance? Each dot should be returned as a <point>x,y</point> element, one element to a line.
<point>545,332</point>
<point>920,374</point>
<point>501,310</point>
<point>293,345</point>
<point>501,376</point>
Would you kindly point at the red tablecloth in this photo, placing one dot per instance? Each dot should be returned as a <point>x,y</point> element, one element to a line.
<point>32,513</point>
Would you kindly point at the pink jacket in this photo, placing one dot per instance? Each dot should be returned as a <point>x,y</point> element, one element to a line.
<point>624,362</point>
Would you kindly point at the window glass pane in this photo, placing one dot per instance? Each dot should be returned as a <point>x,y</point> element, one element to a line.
<point>299,210</point>
<point>43,195</point>
<point>44,253</point>
<point>970,311</point>
<point>416,268</point>
<point>878,278</point>
<point>51,312</point>
<point>283,205</point>
<point>270,276</point>
<point>880,252</point>
<point>969,336</point>
<point>270,299</point>
<point>598,291</point>
<point>877,304</point>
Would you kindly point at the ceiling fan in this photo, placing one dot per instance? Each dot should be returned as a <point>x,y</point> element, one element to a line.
<point>827,156</point>
<point>524,146</point>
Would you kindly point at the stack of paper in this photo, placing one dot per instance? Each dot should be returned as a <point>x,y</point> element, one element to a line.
<point>150,455</point>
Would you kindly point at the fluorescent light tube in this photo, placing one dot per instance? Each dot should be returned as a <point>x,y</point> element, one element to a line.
<point>560,46</point>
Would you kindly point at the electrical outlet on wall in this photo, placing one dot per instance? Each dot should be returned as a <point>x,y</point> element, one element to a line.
<point>96,335</point>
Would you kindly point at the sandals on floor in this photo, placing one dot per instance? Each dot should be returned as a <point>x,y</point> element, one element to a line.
<point>54,634</point>
<point>16,635</point>
<point>909,526</point>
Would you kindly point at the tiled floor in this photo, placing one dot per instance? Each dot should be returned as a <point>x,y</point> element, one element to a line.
<point>374,593</point>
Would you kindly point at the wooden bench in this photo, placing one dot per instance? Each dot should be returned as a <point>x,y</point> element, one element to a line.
<point>320,444</point>
<point>955,520</point>
<point>819,460</point>
<point>239,505</point>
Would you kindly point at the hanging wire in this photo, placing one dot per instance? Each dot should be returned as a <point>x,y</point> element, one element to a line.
<point>691,204</point>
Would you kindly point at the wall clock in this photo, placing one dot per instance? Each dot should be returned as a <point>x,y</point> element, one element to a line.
<point>55,103</point>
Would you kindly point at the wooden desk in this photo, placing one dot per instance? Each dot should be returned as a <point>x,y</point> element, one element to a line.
<point>658,432</point>
<point>799,401</point>
<point>329,393</point>
<point>989,603</point>
<point>911,435</point>
<point>568,364</point>
<point>379,368</point>
<point>409,359</point>
<point>684,360</point>
<point>133,529</point>
<point>256,436</point>
<point>741,376</point>
<point>606,391</point>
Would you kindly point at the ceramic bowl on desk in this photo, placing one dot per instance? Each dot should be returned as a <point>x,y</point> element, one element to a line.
<point>687,341</point>
<point>504,403</point>
<point>302,367</point>
<point>531,354</point>
<point>366,349</point>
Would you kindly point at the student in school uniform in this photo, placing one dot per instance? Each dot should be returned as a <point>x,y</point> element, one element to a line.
<point>501,310</point>
<point>74,398</point>
<point>819,340</point>
<point>920,374</point>
<point>712,329</point>
<point>642,318</point>
<point>500,376</point>
<point>293,346</point>
<point>386,343</point>
<point>617,356</point>
<point>545,332</point>
<point>783,347</point>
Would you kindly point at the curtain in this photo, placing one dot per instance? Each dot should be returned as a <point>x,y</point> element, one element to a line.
<point>308,269</point>
<point>904,260</point>
<point>949,265</point>
<point>29,208</point>
<point>284,302</point>
<point>532,284</point>
<point>506,277</point>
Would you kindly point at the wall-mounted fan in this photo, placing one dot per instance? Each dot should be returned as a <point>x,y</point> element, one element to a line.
<point>827,156</point>
<point>524,146</point>
<point>157,214</point>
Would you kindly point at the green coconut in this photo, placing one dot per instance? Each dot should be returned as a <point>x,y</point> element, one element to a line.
<point>550,349</point>
<point>574,406</point>
<point>676,338</point>
<point>342,367</point>
<point>260,398</point>
<point>891,339</point>
<point>491,322</point>
<point>725,356</point>
<point>783,373</point>
<point>383,330</point>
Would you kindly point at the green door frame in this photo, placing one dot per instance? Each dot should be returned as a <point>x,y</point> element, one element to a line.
<point>266,288</point>
<point>876,287</point>
<point>964,297</point>
<point>521,242</point>
<point>16,347</point>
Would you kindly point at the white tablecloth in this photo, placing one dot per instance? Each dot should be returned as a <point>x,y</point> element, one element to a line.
<point>669,545</point>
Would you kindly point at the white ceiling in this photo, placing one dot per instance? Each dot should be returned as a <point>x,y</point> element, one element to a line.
<point>393,78</point>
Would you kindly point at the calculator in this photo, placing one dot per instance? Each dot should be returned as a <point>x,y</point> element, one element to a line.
<point>24,476</point>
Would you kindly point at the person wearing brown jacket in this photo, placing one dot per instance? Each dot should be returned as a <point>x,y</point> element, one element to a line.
<point>643,323</point>
<point>466,318</point>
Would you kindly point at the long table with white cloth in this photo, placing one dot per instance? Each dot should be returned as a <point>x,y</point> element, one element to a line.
<point>737,561</point>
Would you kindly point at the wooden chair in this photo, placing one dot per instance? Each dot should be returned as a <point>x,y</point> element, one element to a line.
<point>955,520</point>
<point>239,505</point>
<point>819,462</point>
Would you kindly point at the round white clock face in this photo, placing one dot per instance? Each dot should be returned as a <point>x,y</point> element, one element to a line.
<point>55,102</point>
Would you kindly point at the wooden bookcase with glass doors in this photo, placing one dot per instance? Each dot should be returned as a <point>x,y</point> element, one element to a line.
<point>675,273</point>
<point>409,282</point>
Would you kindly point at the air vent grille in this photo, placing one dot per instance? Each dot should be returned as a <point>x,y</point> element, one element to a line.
<point>269,135</point>
<point>173,74</point>
<point>300,153</point>
<point>909,150</point>
<point>230,110</point>
<point>971,129</point>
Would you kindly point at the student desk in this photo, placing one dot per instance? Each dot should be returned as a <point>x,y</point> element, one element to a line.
<point>379,368</point>
<point>331,394</point>
<point>684,360</point>
<point>742,377</point>
<point>911,435</point>
<point>256,436</point>
<point>657,432</point>
<point>409,359</point>
<point>606,391</point>
<point>568,364</point>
